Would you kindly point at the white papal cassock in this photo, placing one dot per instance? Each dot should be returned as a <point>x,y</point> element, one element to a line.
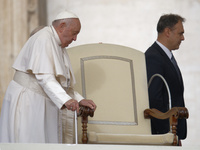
<point>31,111</point>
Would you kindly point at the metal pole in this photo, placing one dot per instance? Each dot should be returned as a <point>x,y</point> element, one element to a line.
<point>76,128</point>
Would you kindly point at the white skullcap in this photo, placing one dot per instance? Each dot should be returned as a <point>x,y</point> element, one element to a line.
<point>65,14</point>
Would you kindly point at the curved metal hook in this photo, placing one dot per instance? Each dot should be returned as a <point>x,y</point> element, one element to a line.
<point>165,82</point>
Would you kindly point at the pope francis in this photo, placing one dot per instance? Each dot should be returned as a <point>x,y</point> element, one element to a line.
<point>41,92</point>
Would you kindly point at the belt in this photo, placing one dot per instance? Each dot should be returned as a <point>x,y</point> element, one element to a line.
<point>29,81</point>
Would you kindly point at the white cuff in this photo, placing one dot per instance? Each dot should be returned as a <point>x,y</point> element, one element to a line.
<point>77,96</point>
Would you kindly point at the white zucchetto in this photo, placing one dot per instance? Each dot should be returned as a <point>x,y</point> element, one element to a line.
<point>65,14</point>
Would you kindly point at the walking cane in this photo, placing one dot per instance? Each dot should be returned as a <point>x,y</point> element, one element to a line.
<point>76,128</point>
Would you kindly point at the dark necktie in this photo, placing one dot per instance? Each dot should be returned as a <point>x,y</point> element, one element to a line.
<point>176,66</point>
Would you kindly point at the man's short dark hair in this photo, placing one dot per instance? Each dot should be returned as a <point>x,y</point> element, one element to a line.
<point>168,21</point>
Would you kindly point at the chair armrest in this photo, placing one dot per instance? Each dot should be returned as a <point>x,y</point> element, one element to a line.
<point>84,112</point>
<point>177,112</point>
<point>173,114</point>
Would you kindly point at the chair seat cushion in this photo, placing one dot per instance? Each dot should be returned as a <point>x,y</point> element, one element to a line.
<point>140,139</point>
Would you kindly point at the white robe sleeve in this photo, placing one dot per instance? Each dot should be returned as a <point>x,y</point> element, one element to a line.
<point>53,89</point>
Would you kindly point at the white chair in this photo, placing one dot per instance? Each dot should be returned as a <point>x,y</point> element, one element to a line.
<point>114,77</point>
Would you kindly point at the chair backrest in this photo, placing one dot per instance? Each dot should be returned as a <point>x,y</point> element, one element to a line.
<point>114,77</point>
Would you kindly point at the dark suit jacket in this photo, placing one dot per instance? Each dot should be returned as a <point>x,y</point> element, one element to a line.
<point>158,62</point>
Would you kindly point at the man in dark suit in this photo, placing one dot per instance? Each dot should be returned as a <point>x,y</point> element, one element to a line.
<point>160,60</point>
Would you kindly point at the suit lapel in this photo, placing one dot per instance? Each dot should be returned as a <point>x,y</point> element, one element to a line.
<point>168,61</point>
